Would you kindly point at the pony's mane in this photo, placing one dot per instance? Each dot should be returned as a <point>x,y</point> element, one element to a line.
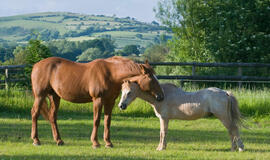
<point>170,84</point>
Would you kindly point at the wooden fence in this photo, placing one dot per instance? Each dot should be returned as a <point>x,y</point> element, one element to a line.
<point>239,66</point>
<point>11,74</point>
<point>8,72</point>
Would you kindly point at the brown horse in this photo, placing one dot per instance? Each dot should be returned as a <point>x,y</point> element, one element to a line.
<point>98,81</point>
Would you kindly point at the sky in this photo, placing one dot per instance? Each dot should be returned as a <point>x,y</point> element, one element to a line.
<point>140,9</point>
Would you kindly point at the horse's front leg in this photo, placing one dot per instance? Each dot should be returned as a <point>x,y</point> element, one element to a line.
<point>35,114</point>
<point>97,107</point>
<point>107,123</point>
<point>163,131</point>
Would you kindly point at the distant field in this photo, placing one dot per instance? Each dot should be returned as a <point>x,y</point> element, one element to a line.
<point>122,30</point>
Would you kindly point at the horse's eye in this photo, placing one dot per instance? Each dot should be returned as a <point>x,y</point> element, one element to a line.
<point>128,93</point>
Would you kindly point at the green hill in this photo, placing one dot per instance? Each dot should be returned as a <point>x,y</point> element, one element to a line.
<point>78,27</point>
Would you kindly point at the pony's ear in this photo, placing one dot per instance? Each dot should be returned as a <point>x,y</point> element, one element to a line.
<point>126,81</point>
<point>134,79</point>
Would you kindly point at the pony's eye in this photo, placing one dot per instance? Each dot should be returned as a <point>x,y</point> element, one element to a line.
<point>128,93</point>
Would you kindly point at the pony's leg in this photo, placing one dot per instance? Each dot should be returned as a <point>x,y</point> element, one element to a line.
<point>235,138</point>
<point>97,107</point>
<point>35,114</point>
<point>107,123</point>
<point>163,131</point>
<point>54,103</point>
<point>234,134</point>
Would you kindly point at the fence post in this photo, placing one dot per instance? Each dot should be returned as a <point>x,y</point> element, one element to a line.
<point>193,73</point>
<point>193,70</point>
<point>6,78</point>
<point>240,74</point>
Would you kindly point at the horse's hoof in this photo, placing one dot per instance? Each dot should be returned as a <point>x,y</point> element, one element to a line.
<point>60,143</point>
<point>109,145</point>
<point>95,146</point>
<point>241,149</point>
<point>36,144</point>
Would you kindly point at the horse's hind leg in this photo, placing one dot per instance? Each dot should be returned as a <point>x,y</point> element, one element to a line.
<point>235,138</point>
<point>54,103</point>
<point>107,123</point>
<point>234,134</point>
<point>35,114</point>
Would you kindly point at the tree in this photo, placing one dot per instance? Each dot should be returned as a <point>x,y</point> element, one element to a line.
<point>92,54</point>
<point>188,41</point>
<point>156,53</point>
<point>71,50</point>
<point>140,36</point>
<point>223,31</point>
<point>130,49</point>
<point>19,56</point>
<point>36,51</point>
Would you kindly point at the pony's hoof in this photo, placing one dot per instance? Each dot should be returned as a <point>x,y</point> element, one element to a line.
<point>160,148</point>
<point>109,145</point>
<point>60,143</point>
<point>95,146</point>
<point>241,149</point>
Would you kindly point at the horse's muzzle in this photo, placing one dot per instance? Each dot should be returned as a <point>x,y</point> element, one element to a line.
<point>159,98</point>
<point>123,106</point>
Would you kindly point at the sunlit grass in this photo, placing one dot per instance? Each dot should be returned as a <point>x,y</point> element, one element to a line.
<point>252,102</point>
<point>133,138</point>
<point>134,132</point>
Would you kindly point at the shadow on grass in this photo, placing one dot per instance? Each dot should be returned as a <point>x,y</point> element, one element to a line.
<point>81,131</point>
<point>71,157</point>
<point>63,113</point>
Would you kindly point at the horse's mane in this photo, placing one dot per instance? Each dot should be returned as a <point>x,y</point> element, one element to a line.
<point>129,64</point>
<point>118,59</point>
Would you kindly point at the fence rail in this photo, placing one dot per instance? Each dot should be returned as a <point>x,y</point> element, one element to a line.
<point>6,73</point>
<point>240,78</point>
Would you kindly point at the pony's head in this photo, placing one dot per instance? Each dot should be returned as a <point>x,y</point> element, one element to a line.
<point>129,94</point>
<point>148,82</point>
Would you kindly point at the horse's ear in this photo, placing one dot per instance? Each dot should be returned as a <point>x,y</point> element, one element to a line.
<point>143,70</point>
<point>146,62</point>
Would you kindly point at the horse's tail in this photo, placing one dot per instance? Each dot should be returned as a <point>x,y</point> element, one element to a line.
<point>45,110</point>
<point>233,110</point>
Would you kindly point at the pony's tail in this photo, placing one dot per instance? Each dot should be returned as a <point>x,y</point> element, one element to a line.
<point>45,110</point>
<point>233,111</point>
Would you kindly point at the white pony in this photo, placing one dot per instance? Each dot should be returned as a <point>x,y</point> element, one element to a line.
<point>178,104</point>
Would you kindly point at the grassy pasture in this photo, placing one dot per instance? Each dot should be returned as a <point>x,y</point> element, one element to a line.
<point>65,22</point>
<point>134,132</point>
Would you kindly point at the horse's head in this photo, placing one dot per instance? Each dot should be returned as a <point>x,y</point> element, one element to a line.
<point>129,93</point>
<point>148,82</point>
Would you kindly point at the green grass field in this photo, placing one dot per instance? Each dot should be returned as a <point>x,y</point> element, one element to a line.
<point>134,132</point>
<point>64,22</point>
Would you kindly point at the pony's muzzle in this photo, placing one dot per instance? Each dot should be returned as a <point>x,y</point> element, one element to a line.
<point>122,106</point>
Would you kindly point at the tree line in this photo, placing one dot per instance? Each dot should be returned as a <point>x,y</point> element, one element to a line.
<point>88,50</point>
<point>216,31</point>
